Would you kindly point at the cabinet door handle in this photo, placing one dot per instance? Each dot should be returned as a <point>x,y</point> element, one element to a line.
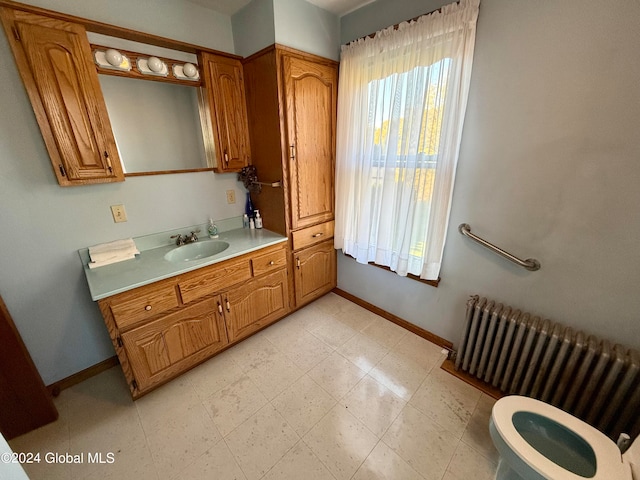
<point>226,158</point>
<point>108,160</point>
<point>316,235</point>
<point>148,308</point>
<point>298,263</point>
<point>228,304</point>
<point>293,155</point>
<point>220,308</point>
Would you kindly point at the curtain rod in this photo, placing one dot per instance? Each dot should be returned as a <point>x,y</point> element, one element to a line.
<point>395,27</point>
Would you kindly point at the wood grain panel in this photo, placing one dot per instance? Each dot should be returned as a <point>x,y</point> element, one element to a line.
<point>55,62</point>
<point>214,280</point>
<point>261,264</point>
<point>224,84</point>
<point>256,304</point>
<point>142,303</point>
<point>159,350</point>
<point>314,272</point>
<point>312,235</point>
<point>311,95</point>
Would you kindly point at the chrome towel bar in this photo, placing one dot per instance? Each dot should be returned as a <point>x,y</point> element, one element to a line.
<point>530,263</point>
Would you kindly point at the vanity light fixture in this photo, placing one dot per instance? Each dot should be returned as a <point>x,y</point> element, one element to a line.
<point>188,71</point>
<point>112,59</point>
<point>152,66</point>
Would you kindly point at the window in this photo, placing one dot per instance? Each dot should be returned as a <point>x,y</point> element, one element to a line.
<point>401,104</point>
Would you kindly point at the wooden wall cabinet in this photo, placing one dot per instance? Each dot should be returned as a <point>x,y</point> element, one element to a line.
<point>291,100</point>
<point>224,86</point>
<point>163,329</point>
<point>54,60</point>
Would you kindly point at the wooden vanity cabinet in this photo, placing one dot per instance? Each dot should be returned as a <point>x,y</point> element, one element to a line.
<point>163,329</point>
<point>291,100</point>
<point>54,60</point>
<point>224,86</point>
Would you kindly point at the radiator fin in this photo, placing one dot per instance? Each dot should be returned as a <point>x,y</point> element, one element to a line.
<point>526,355</point>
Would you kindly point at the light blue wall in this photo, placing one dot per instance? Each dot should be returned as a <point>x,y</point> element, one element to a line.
<point>548,169</point>
<point>42,225</point>
<point>254,27</point>
<point>294,23</point>
<point>304,26</point>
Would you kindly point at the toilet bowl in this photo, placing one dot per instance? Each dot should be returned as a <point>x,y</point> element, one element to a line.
<point>538,441</point>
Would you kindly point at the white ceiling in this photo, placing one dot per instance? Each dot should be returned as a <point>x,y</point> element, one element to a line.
<point>338,7</point>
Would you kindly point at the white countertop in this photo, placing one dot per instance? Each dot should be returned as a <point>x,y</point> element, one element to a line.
<point>150,266</point>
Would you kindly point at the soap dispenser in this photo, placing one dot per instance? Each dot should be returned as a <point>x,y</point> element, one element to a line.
<point>212,228</point>
<point>258,219</point>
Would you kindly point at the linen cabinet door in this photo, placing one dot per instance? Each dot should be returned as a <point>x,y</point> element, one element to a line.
<point>255,304</point>
<point>55,62</point>
<point>314,272</point>
<point>310,97</point>
<point>166,347</point>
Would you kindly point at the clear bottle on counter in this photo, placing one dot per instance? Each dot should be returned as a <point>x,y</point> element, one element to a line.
<point>258,219</point>
<point>245,221</point>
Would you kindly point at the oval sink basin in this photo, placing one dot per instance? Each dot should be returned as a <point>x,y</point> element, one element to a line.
<point>196,251</point>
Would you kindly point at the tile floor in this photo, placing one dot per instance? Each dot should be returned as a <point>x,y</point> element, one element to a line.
<point>332,392</point>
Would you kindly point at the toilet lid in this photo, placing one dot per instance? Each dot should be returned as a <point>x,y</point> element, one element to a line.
<point>609,464</point>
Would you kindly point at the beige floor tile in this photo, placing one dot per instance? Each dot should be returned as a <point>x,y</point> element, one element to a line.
<point>235,403</point>
<point>274,374</point>
<point>185,434</point>
<point>447,400</point>
<point>309,317</point>
<point>422,443</point>
<point>331,303</point>
<point>306,351</point>
<point>284,332</point>
<point>341,442</point>
<point>399,374</point>
<point>299,463</point>
<point>420,351</point>
<point>384,464</point>
<point>373,404</point>
<point>363,351</point>
<point>476,435</point>
<point>252,352</point>
<point>303,404</point>
<point>333,332</point>
<point>41,469</point>
<point>153,408</point>
<point>336,375</point>
<point>214,374</point>
<point>261,441</point>
<point>134,462</point>
<point>216,463</point>
<point>467,463</point>
<point>355,316</point>
<point>384,332</point>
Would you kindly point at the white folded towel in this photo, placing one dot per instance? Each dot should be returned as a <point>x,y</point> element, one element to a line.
<point>111,252</point>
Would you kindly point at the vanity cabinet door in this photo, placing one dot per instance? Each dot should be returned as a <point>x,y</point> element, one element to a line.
<point>310,98</point>
<point>224,84</point>
<point>314,272</point>
<point>161,349</point>
<point>255,304</point>
<point>55,62</point>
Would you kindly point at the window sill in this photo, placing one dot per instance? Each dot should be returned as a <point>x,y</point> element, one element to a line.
<point>432,283</point>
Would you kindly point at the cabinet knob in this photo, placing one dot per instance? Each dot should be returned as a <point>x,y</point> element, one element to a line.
<point>228,305</point>
<point>316,235</point>
<point>298,263</point>
<point>226,158</point>
<point>147,308</point>
<point>219,308</point>
<point>271,262</point>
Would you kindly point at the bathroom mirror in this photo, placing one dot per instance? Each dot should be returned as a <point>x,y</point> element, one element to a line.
<point>156,125</point>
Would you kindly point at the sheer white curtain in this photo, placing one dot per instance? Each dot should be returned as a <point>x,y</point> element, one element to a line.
<point>401,104</point>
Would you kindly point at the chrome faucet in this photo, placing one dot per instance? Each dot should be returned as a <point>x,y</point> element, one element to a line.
<point>184,239</point>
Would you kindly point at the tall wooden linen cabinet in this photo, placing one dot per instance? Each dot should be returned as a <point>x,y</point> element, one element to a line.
<point>291,103</point>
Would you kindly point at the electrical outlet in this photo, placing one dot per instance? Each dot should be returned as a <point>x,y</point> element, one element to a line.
<point>119,215</point>
<point>231,196</point>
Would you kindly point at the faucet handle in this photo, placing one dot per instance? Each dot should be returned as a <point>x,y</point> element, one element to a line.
<point>193,237</point>
<point>180,240</point>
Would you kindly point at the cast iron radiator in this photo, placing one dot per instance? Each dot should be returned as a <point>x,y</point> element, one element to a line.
<point>525,355</point>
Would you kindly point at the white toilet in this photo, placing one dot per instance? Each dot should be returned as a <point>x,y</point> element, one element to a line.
<point>538,441</point>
